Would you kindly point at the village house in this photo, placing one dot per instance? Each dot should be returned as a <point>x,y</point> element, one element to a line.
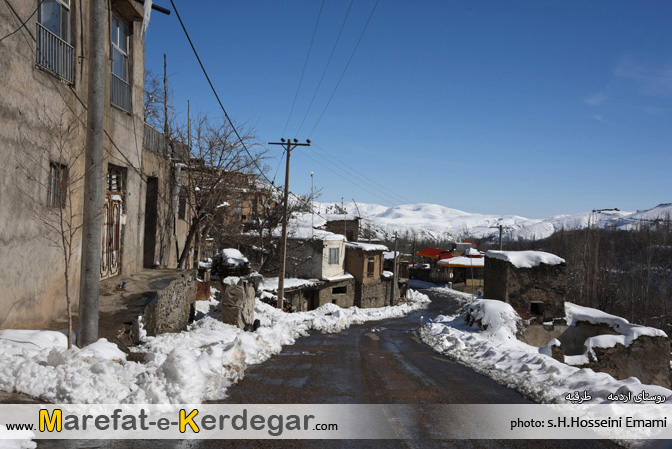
<point>365,262</point>
<point>42,133</point>
<point>44,76</point>
<point>320,257</point>
<point>533,282</point>
<point>345,224</point>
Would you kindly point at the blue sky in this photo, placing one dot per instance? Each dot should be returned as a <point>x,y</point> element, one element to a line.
<point>534,108</point>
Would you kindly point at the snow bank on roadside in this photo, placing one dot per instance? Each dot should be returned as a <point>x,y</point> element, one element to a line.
<point>629,332</point>
<point>527,369</point>
<point>186,367</point>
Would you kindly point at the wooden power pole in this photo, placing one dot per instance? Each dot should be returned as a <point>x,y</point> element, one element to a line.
<point>288,145</point>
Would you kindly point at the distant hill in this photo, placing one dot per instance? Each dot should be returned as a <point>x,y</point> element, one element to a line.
<point>443,223</point>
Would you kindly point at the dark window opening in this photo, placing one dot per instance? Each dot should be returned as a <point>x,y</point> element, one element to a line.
<point>56,187</point>
<point>537,308</point>
<point>182,206</point>
<point>116,179</point>
<point>339,290</point>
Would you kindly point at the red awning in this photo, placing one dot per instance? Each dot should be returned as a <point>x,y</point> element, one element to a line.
<point>434,253</point>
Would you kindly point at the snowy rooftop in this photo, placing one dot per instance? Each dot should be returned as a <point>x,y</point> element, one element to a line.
<point>271,284</point>
<point>339,217</point>
<point>366,246</point>
<point>525,259</point>
<point>462,261</point>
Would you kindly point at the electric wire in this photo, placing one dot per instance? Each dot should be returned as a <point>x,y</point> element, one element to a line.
<point>326,67</point>
<point>23,23</point>
<point>353,169</point>
<point>305,64</point>
<point>207,77</point>
<point>345,69</point>
<point>360,182</point>
<point>388,199</point>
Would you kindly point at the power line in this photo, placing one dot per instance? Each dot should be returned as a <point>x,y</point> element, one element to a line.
<point>345,69</point>
<point>207,77</point>
<point>351,168</point>
<point>357,183</point>
<point>23,24</point>
<point>305,64</point>
<point>326,67</point>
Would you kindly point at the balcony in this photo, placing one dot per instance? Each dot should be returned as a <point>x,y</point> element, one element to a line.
<point>120,93</point>
<point>55,55</point>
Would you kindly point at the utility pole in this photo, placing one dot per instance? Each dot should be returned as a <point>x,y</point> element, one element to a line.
<point>288,145</point>
<point>165,99</point>
<point>395,279</point>
<point>312,207</point>
<point>89,286</point>
<point>501,229</point>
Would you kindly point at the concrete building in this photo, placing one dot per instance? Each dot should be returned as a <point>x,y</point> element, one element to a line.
<point>44,78</point>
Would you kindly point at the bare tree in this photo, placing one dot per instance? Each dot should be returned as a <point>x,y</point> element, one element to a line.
<point>217,160</point>
<point>57,170</point>
<point>158,97</point>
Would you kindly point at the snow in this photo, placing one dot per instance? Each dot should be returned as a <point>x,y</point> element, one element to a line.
<point>233,256</point>
<point>16,439</point>
<point>366,247</point>
<point>530,370</point>
<point>462,261</point>
<point>629,332</point>
<point>186,367</point>
<point>339,277</point>
<point>432,221</point>
<point>271,284</point>
<point>525,259</point>
<point>472,252</point>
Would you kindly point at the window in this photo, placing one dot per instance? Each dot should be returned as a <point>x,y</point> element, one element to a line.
<point>333,256</point>
<point>116,179</point>
<point>56,187</point>
<point>120,94</point>
<point>370,267</point>
<point>182,205</point>
<point>54,52</point>
<point>339,290</point>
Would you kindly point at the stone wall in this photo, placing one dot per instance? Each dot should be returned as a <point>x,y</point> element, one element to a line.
<point>572,338</point>
<point>371,295</point>
<point>171,308</point>
<point>647,358</point>
<point>523,288</point>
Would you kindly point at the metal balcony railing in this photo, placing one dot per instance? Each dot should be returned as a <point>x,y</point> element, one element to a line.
<point>120,93</point>
<point>155,141</point>
<point>55,55</point>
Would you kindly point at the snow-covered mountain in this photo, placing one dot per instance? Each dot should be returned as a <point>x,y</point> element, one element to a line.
<point>439,222</point>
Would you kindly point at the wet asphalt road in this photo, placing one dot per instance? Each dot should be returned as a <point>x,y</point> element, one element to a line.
<point>380,362</point>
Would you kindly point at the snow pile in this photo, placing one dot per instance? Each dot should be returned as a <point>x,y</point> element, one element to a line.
<point>525,259</point>
<point>16,439</point>
<point>629,332</point>
<point>233,257</point>
<point>186,367</point>
<point>497,318</point>
<point>496,353</point>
